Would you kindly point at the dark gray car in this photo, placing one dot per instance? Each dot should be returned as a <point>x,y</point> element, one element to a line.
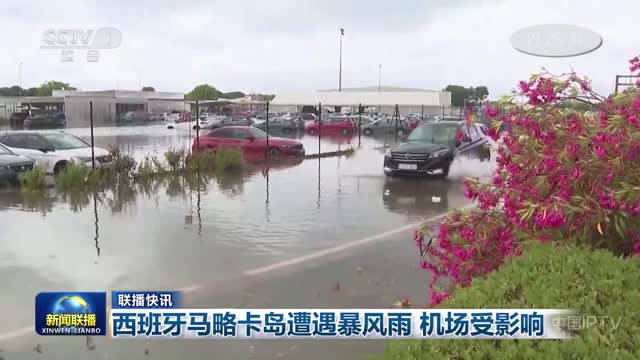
<point>12,166</point>
<point>385,125</point>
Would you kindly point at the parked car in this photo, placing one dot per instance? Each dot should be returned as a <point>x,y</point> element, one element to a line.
<point>252,141</point>
<point>279,124</point>
<point>431,147</point>
<point>233,121</point>
<point>12,166</point>
<point>53,150</point>
<point>45,121</point>
<point>385,126</point>
<point>135,116</point>
<point>331,125</point>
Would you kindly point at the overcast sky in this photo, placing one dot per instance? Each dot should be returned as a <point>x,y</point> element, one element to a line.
<point>290,45</point>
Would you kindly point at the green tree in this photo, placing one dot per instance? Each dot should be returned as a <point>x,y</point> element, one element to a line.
<point>233,95</point>
<point>460,94</point>
<point>46,89</point>
<point>148,88</point>
<point>481,93</point>
<point>204,92</point>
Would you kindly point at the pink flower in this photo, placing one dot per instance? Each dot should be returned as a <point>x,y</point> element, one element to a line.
<point>600,151</point>
<point>524,86</point>
<point>573,150</point>
<point>577,173</point>
<point>491,111</point>
<point>633,120</point>
<point>565,194</point>
<point>469,193</point>
<point>438,297</point>
<point>607,202</point>
<point>609,177</point>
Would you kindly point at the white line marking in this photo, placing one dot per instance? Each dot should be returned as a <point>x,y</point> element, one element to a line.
<point>343,247</point>
<point>29,330</point>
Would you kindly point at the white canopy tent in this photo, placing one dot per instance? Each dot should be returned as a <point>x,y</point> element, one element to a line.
<point>385,101</point>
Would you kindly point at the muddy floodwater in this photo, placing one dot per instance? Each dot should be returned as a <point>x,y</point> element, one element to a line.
<point>253,240</point>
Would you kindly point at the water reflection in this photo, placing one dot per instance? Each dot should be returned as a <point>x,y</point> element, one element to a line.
<point>416,196</point>
<point>95,213</point>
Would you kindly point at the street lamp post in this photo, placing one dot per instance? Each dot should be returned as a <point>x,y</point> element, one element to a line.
<point>379,71</point>
<point>340,72</point>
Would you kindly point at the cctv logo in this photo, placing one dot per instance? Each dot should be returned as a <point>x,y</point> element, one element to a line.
<point>103,38</point>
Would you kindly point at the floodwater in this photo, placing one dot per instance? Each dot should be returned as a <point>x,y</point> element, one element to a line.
<point>257,239</point>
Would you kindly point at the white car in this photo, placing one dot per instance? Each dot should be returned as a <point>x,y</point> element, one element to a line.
<point>53,150</point>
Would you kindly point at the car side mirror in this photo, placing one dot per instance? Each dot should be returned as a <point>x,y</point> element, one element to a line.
<point>45,150</point>
<point>250,138</point>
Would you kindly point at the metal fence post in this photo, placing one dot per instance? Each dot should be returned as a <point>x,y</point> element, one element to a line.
<point>267,154</point>
<point>93,155</point>
<point>359,124</point>
<point>319,133</point>
<point>197,125</point>
<point>422,113</point>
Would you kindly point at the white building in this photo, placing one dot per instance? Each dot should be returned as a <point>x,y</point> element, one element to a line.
<point>107,105</point>
<point>383,99</point>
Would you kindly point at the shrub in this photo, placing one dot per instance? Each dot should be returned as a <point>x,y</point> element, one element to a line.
<point>203,161</point>
<point>175,159</point>
<point>561,175</point>
<point>34,180</point>
<point>76,177</point>
<point>123,165</point>
<point>548,276</point>
<point>148,167</point>
<point>228,159</point>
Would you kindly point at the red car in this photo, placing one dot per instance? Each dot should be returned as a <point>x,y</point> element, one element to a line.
<point>332,125</point>
<point>252,142</point>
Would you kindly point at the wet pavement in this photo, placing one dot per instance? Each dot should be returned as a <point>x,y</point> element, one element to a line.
<point>278,237</point>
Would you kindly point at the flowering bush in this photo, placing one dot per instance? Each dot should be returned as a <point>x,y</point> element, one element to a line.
<point>562,175</point>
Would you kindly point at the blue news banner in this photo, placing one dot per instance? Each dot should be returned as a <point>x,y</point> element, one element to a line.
<point>159,315</point>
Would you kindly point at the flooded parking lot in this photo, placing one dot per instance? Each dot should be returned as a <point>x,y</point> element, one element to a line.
<point>335,233</point>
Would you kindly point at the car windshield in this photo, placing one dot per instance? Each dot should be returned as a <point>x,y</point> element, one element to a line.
<point>4,150</point>
<point>437,133</point>
<point>62,141</point>
<point>257,133</point>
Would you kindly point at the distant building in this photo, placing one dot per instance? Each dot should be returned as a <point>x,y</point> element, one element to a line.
<point>108,105</point>
<point>383,99</point>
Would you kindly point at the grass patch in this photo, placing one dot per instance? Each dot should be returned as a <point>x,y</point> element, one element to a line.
<point>547,276</point>
<point>34,180</point>
<point>77,176</point>
<point>175,159</point>
<point>228,159</point>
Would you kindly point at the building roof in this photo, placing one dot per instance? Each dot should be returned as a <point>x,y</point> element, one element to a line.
<point>365,98</point>
<point>149,95</point>
<point>378,89</point>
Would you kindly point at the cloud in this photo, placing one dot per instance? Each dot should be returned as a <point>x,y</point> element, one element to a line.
<point>288,45</point>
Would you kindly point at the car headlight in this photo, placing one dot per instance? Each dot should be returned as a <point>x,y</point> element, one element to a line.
<point>439,153</point>
<point>388,152</point>
<point>83,158</point>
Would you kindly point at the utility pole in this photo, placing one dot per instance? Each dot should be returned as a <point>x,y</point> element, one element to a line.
<point>379,71</point>
<point>340,71</point>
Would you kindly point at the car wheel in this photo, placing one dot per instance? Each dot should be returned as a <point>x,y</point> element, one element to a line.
<point>368,131</point>
<point>59,167</point>
<point>273,153</point>
<point>170,127</point>
<point>196,127</point>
